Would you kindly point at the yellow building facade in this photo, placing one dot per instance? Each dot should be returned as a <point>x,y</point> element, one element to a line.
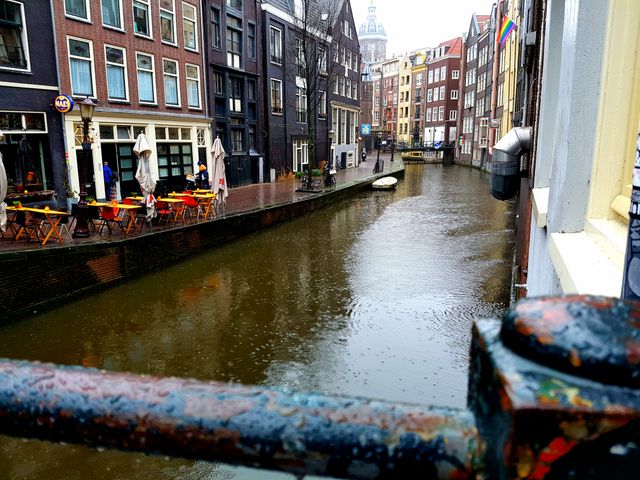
<point>403,132</point>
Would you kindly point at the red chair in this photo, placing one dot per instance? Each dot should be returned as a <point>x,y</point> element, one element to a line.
<point>191,207</point>
<point>164,212</point>
<point>109,218</point>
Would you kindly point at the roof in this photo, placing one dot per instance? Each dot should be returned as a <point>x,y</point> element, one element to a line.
<point>455,46</point>
<point>482,22</point>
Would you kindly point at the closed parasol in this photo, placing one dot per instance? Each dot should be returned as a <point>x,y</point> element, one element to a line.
<point>147,183</point>
<point>219,183</point>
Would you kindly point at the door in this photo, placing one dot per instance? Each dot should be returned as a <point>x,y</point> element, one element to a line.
<point>123,164</point>
<point>175,161</point>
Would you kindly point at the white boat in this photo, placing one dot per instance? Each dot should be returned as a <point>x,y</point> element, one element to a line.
<point>385,183</point>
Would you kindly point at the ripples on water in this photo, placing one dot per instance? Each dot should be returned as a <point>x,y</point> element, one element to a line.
<point>371,297</point>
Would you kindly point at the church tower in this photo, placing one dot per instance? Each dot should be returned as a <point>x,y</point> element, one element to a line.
<point>373,38</point>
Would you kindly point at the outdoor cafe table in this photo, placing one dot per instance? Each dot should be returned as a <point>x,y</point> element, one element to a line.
<point>204,199</point>
<point>119,206</point>
<point>51,217</point>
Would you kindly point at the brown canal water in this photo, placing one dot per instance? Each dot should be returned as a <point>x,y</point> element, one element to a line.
<point>373,296</point>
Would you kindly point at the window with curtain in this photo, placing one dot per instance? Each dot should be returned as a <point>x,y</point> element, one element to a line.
<point>189,26</point>
<point>12,36</point>
<point>167,21</point>
<point>276,96</point>
<point>80,62</point>
<point>116,85</point>
<point>141,19</point>
<point>144,64</point>
<point>275,45</point>
<point>193,85</point>
<point>77,8</point>
<point>215,27</point>
<point>111,13</point>
<point>170,72</point>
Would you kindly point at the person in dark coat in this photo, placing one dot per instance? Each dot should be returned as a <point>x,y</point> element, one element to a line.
<point>107,173</point>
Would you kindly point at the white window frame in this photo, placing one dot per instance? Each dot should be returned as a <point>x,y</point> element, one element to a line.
<point>440,114</point>
<point>443,73</point>
<point>454,95</point>
<point>453,115</point>
<point>149,18</point>
<point>193,20</point>
<point>25,41</point>
<point>125,72</point>
<point>177,77</point>
<point>91,61</point>
<point>436,94</point>
<point>278,45</point>
<point>322,105</point>
<point>430,77</point>
<point>428,115</point>
<point>193,79</point>
<point>443,93</point>
<point>87,4</point>
<point>153,79</point>
<point>173,22</point>
<point>121,27</point>
<point>436,75</point>
<point>429,95</point>
<point>455,74</point>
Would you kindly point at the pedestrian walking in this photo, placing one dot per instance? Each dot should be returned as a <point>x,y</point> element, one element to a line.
<point>107,173</point>
<point>364,154</point>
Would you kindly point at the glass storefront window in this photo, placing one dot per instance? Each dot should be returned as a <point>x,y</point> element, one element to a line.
<point>174,134</point>
<point>161,133</point>
<point>106,132</point>
<point>124,132</point>
<point>186,133</point>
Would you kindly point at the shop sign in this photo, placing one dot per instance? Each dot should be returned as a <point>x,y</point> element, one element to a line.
<point>365,129</point>
<point>63,103</point>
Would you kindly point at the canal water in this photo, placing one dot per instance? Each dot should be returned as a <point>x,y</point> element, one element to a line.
<point>372,297</point>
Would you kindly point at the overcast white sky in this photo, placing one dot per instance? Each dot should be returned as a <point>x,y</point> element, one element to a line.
<point>413,24</point>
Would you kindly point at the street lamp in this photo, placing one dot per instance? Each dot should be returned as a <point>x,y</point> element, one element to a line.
<point>81,230</point>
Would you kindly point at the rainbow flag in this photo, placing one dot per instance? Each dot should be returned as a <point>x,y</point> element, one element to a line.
<point>508,26</point>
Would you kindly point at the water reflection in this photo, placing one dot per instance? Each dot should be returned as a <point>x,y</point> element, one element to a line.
<point>371,297</point>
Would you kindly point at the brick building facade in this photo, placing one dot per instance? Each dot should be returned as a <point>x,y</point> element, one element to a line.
<point>143,64</point>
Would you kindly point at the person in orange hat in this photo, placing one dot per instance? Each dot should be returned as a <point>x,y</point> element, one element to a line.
<point>202,178</point>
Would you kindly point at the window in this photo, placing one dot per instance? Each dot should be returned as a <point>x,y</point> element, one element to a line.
<point>454,94</point>
<point>442,93</point>
<point>116,73</point>
<point>436,75</point>
<point>354,90</point>
<point>142,18</point>
<point>428,114</point>
<point>347,88</point>
<point>441,113</point>
<point>275,45</point>
<point>453,115</point>
<point>322,60</point>
<point>218,84</point>
<point>300,155</point>
<point>146,78</point>
<point>429,95</point>
<point>167,22</point>
<point>455,74</point>
<point>500,94</point>
<point>77,8</point>
<point>215,28</point>
<point>301,104</point>
<point>322,106</point>
<point>234,41</point>
<point>189,29</point>
<point>235,95</point>
<point>112,13</point>
<point>435,95</point>
<point>236,4</point>
<point>81,66</point>
<point>443,73</point>
<point>171,88</point>
<point>193,85</point>
<point>236,140</point>
<point>276,96</point>
<point>251,41</point>
<point>430,77</point>
<point>13,36</point>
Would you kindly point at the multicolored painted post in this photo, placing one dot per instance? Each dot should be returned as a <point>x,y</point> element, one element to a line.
<point>631,277</point>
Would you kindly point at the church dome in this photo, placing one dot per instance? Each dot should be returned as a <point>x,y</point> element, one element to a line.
<point>371,26</point>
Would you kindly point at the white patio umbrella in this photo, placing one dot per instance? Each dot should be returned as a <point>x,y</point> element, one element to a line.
<point>219,180</point>
<point>147,183</point>
<point>3,192</point>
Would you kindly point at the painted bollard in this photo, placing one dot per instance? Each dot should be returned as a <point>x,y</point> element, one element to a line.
<point>555,389</point>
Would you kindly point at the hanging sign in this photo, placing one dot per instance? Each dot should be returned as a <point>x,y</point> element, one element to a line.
<point>63,103</point>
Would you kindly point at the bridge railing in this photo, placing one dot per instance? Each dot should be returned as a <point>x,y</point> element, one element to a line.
<point>553,393</point>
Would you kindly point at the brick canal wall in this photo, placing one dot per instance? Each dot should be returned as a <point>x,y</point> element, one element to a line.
<point>31,280</point>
